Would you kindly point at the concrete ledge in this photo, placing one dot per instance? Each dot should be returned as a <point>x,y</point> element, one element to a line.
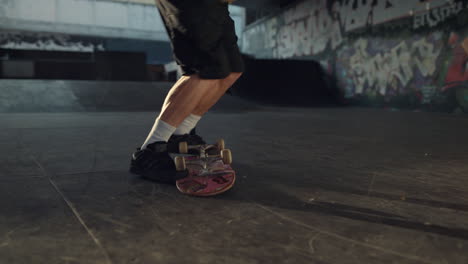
<point>85,30</point>
<point>18,96</point>
<point>76,96</point>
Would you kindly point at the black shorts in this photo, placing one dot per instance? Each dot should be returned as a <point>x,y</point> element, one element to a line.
<point>203,37</point>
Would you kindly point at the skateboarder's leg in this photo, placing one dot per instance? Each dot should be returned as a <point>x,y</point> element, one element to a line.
<point>214,95</point>
<point>218,59</point>
<point>185,97</point>
<point>181,101</point>
<point>188,100</point>
<point>210,98</point>
<point>229,63</point>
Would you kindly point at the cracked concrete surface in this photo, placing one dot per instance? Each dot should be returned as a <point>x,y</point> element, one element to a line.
<point>314,186</point>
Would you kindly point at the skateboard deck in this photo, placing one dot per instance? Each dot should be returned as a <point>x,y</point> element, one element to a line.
<point>209,170</point>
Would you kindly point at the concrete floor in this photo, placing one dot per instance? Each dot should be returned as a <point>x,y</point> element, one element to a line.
<point>315,186</point>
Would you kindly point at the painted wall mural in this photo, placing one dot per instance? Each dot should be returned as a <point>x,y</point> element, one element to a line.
<point>411,53</point>
<point>386,67</point>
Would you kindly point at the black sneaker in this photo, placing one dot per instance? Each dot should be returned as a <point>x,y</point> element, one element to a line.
<point>154,163</point>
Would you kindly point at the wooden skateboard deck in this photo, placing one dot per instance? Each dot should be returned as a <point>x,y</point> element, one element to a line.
<point>209,173</point>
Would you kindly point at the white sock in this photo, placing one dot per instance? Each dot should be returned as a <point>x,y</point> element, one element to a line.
<point>187,125</point>
<point>161,131</point>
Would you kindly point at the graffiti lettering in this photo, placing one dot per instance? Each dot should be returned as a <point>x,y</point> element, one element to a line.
<point>310,27</point>
<point>308,30</point>
<point>428,93</point>
<point>392,69</point>
<point>308,37</point>
<point>355,16</point>
<point>299,12</point>
<point>361,13</point>
<point>262,37</point>
<point>434,16</point>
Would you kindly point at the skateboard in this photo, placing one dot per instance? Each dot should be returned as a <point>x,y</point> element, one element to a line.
<point>209,169</point>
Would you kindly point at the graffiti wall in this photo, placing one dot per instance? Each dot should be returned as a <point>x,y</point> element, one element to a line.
<point>404,53</point>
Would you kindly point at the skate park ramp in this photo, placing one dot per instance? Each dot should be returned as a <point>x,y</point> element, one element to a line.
<point>82,96</point>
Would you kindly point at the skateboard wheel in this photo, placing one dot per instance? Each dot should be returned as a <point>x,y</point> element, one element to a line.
<point>180,163</point>
<point>227,156</point>
<point>183,147</point>
<point>220,144</point>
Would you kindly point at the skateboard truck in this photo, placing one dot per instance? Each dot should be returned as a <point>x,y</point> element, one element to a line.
<point>203,154</point>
